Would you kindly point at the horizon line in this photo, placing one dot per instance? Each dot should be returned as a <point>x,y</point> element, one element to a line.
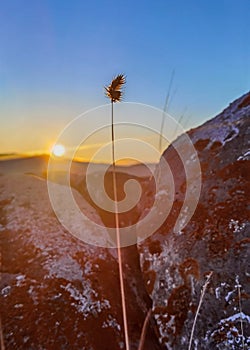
<point>18,156</point>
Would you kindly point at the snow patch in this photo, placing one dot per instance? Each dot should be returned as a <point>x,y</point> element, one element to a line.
<point>85,303</point>
<point>6,291</point>
<point>20,280</point>
<point>111,322</point>
<point>245,156</point>
<point>236,226</point>
<point>64,267</point>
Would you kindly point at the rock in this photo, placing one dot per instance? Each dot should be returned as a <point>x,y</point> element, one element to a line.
<point>58,292</point>
<point>215,241</point>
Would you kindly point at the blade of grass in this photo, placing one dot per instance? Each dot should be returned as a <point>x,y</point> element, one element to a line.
<point>179,121</point>
<point>166,108</point>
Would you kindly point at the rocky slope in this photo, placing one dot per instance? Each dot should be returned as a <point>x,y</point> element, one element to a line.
<point>60,293</point>
<point>215,242</point>
<point>56,291</point>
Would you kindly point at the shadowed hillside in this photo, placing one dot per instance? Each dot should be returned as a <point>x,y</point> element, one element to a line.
<point>175,264</point>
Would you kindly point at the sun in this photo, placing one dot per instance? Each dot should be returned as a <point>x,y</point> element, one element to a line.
<point>58,150</point>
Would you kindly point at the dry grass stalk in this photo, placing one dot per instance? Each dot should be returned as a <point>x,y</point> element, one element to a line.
<point>114,92</point>
<point>1,328</point>
<point>1,336</point>
<point>144,330</point>
<point>165,110</point>
<point>198,308</point>
<point>238,286</point>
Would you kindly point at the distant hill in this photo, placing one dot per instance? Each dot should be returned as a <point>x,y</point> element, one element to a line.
<point>37,164</point>
<point>7,154</point>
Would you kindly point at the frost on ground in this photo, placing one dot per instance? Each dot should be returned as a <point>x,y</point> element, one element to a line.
<point>57,292</point>
<point>53,287</point>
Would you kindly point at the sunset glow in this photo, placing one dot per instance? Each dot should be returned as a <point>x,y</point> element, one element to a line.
<point>41,92</point>
<point>58,150</point>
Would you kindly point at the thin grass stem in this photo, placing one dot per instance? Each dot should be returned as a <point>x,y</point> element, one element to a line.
<point>240,309</point>
<point>1,336</point>
<point>118,240</point>
<point>198,308</point>
<point>1,328</point>
<point>165,109</point>
<point>144,330</point>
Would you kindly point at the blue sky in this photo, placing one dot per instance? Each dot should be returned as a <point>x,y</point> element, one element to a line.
<point>56,56</point>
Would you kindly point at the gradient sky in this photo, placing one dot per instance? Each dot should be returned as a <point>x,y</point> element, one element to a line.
<point>57,55</point>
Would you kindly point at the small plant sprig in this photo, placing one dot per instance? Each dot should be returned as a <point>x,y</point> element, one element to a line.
<point>115,93</point>
<point>114,90</point>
